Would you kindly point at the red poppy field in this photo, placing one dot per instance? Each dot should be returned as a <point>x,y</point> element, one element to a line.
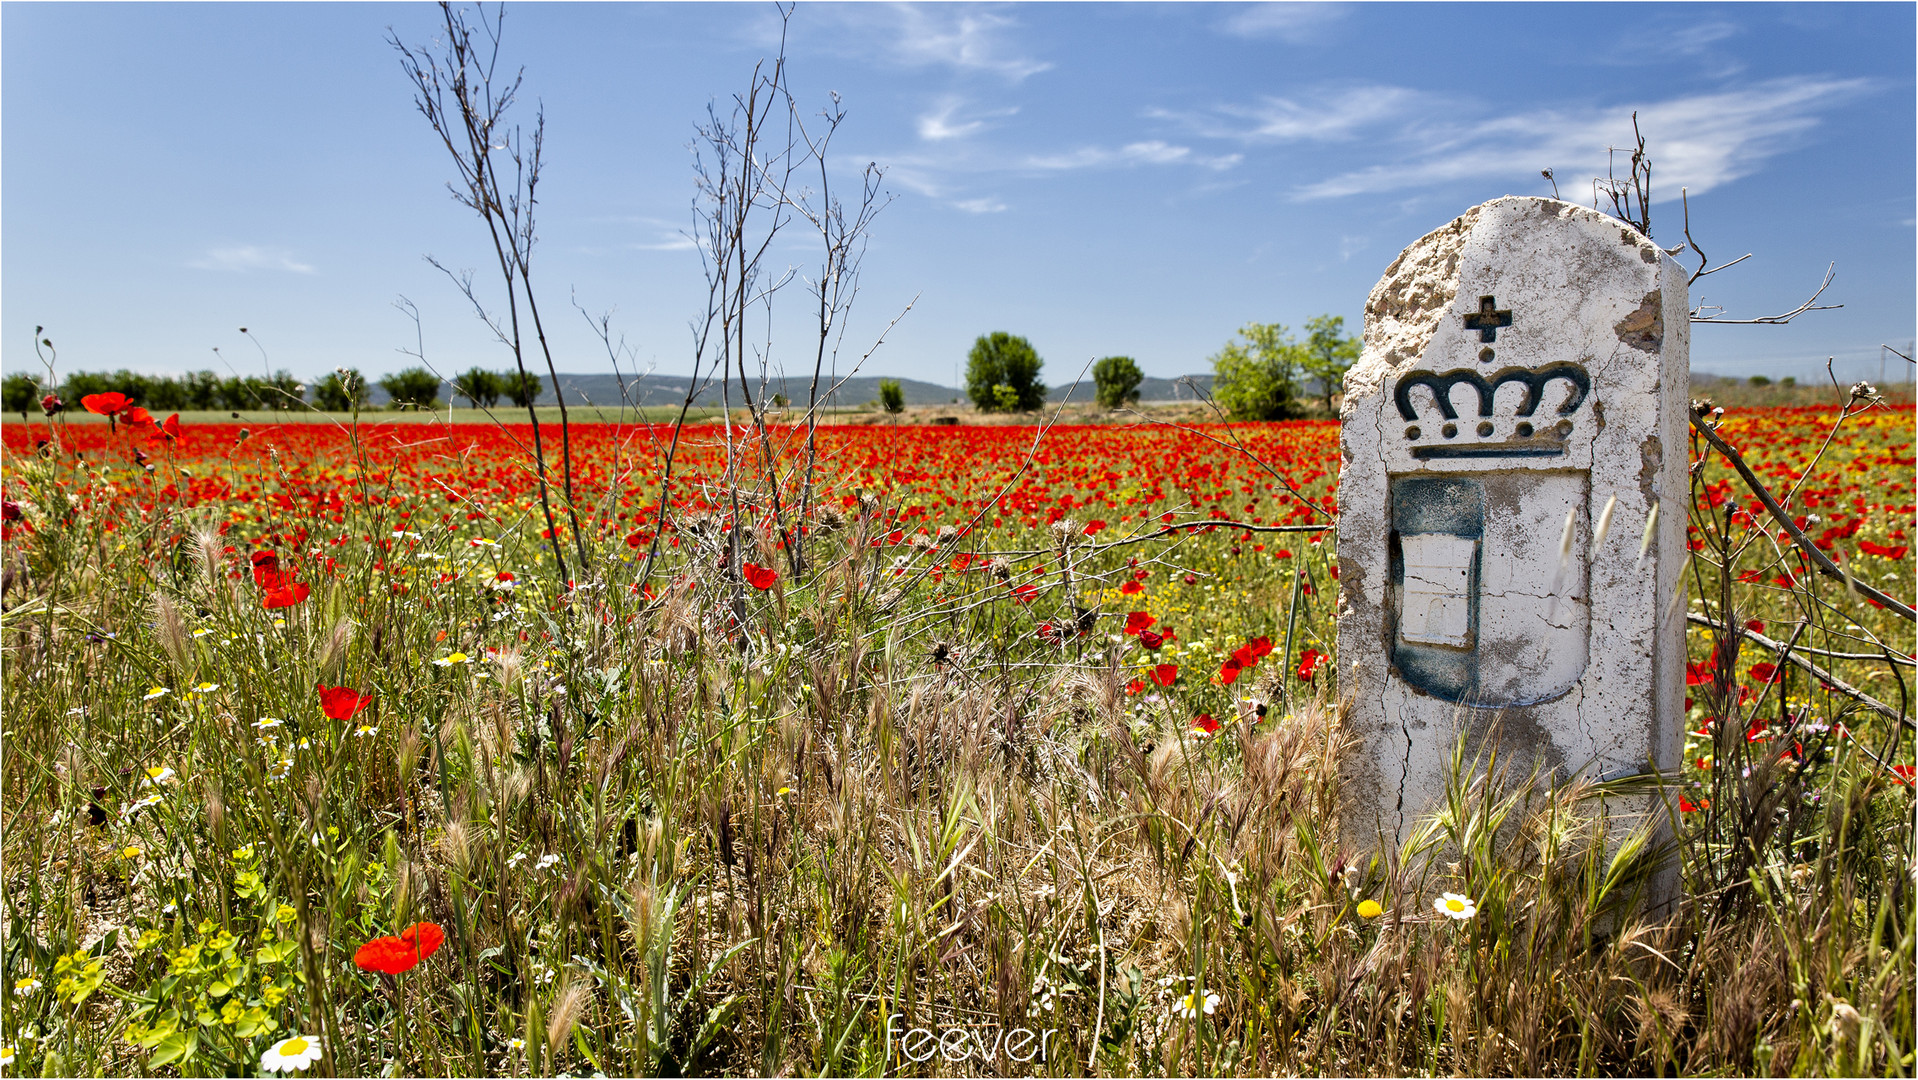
<point>719,749</point>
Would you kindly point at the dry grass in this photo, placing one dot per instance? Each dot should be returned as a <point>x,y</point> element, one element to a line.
<point>660,842</point>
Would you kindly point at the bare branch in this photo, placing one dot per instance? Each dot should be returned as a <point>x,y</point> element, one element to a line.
<point>1810,304</point>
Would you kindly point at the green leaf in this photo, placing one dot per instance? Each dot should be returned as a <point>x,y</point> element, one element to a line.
<point>171,1049</point>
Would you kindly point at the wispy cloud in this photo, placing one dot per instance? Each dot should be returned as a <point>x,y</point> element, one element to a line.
<point>941,123</point>
<point>245,258</point>
<point>1294,23</point>
<point>946,170</point>
<point>668,242</point>
<point>967,38</point>
<point>1151,152</point>
<point>1698,142</point>
<point>1329,114</point>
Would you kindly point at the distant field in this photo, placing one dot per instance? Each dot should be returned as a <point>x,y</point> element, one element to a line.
<point>509,415</point>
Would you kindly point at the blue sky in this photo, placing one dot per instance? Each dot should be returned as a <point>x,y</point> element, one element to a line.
<point>1137,179</point>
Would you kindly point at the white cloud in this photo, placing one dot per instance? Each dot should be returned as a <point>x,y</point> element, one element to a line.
<point>940,125</point>
<point>245,258</point>
<point>965,38</point>
<point>1328,115</point>
<point>677,242</point>
<point>1698,142</point>
<point>1293,23</point>
<point>980,206</point>
<point>1150,152</point>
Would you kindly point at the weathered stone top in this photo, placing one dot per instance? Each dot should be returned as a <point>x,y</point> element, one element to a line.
<point>1492,380</point>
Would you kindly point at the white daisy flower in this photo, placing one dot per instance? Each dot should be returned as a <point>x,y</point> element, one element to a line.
<point>452,659</point>
<point>156,693</point>
<point>1455,906</point>
<point>291,1055</point>
<point>546,861</point>
<point>26,987</point>
<point>203,688</point>
<point>157,774</point>
<point>1191,1005</point>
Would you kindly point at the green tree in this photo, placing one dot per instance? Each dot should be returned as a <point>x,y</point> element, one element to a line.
<point>82,383</point>
<point>341,391</point>
<point>1328,353</point>
<point>1257,378</point>
<point>892,397</point>
<point>1117,379</point>
<point>202,390</point>
<point>1005,360</point>
<point>521,388</point>
<point>21,392</point>
<point>414,387</point>
<point>480,387</point>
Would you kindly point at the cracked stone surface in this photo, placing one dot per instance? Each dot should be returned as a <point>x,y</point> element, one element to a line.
<point>1567,645</point>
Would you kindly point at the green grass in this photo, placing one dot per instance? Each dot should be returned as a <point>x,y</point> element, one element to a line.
<point>736,831</point>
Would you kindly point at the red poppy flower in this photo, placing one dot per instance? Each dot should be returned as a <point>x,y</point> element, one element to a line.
<point>108,404</point>
<point>1756,626</point>
<point>266,569</point>
<point>1151,639</point>
<point>1689,807</point>
<point>1093,526</point>
<point>1700,673</point>
<point>1766,673</point>
<point>1204,722</point>
<point>425,936</point>
<point>1229,671</point>
<point>136,415</point>
<point>1309,663</point>
<point>1138,621</point>
<point>1904,774</point>
<point>760,577</point>
<point>1135,687</point>
<point>387,955</point>
<point>1261,647</point>
<point>1024,594</point>
<point>170,430</point>
<point>342,702</point>
<point>1165,674</point>
<point>1245,656</point>
<point>288,595</point>
<point>52,404</point>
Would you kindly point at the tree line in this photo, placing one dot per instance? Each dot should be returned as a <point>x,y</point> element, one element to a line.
<point>342,390</point>
<point>1264,373</point>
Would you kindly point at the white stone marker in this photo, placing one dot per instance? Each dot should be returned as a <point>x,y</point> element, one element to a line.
<point>1524,366</point>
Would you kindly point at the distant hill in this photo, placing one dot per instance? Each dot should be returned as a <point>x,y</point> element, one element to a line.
<point>657,390</point>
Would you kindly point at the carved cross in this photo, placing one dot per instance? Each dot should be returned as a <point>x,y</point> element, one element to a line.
<point>1487,319</point>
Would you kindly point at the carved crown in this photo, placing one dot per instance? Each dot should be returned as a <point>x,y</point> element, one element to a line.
<point>1509,432</point>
